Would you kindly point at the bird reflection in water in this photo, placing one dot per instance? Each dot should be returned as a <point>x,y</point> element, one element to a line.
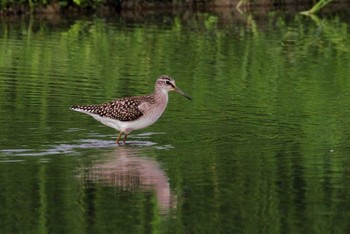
<point>129,170</point>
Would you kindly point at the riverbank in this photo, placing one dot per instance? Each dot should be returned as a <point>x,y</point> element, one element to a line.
<point>108,6</point>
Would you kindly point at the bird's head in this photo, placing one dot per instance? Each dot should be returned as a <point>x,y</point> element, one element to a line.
<point>166,84</point>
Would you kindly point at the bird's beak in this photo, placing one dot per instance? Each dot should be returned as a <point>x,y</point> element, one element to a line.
<point>182,93</point>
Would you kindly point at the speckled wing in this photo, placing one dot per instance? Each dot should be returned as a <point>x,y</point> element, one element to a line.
<point>124,109</point>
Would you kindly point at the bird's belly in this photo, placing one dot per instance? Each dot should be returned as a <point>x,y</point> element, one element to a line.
<point>137,124</point>
<point>126,126</point>
<point>113,123</point>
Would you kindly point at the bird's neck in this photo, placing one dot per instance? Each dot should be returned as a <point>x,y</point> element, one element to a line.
<point>157,104</point>
<point>161,95</point>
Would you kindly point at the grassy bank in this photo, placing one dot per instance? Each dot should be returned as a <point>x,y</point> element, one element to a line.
<point>82,6</point>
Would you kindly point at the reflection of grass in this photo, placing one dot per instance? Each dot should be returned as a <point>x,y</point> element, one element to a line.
<point>336,35</point>
<point>270,102</point>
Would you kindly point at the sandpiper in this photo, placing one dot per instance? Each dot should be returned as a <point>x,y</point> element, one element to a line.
<point>132,113</point>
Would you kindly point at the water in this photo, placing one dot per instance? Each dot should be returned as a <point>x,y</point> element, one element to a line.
<point>261,148</point>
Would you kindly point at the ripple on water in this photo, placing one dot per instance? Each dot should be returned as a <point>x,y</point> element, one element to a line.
<point>75,147</point>
<point>11,161</point>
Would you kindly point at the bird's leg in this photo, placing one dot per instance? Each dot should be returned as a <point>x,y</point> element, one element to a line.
<point>119,136</point>
<point>125,136</point>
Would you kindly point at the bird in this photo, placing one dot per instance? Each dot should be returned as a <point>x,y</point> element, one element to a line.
<point>133,113</point>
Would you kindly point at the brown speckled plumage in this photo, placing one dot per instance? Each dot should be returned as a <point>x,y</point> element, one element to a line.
<point>132,113</point>
<point>123,109</point>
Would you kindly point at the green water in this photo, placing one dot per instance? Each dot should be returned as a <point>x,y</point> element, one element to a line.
<point>263,147</point>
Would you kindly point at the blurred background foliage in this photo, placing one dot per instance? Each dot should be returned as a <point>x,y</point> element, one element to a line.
<point>49,6</point>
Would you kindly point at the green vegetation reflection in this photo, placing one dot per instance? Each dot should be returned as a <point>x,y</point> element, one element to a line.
<point>262,148</point>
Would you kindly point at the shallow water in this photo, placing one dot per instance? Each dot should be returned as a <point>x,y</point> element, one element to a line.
<point>261,148</point>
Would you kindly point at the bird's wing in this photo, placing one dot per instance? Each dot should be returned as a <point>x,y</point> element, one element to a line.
<point>124,109</point>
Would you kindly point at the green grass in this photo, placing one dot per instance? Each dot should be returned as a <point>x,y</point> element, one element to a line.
<point>318,6</point>
<point>22,6</point>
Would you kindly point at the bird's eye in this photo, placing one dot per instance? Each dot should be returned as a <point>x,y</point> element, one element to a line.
<point>168,82</point>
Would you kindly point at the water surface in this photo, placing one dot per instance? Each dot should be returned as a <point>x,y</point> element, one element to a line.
<point>262,148</point>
